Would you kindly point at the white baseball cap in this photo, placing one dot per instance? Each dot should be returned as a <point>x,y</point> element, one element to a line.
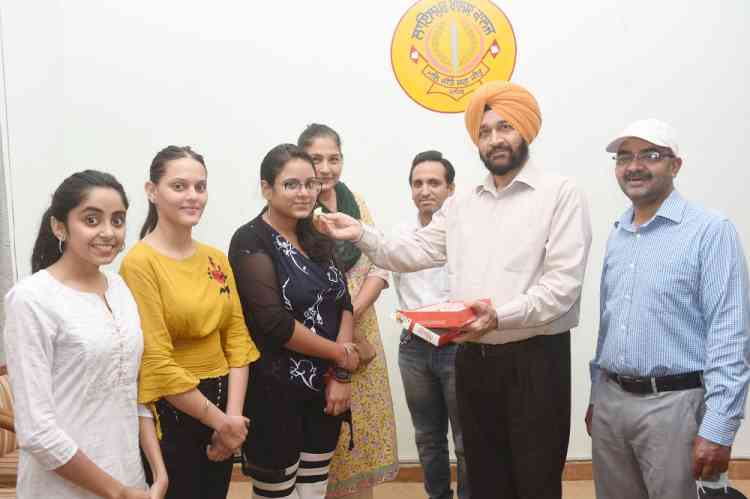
<point>651,130</point>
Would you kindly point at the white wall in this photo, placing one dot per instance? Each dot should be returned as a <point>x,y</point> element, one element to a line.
<point>106,84</point>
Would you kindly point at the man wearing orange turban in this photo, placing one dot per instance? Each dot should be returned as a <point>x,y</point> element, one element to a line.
<point>511,101</point>
<point>520,238</point>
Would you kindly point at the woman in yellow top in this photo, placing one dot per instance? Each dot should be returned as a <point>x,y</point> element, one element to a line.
<point>197,347</point>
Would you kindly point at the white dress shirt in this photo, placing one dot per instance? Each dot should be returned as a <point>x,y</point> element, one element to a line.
<point>73,370</point>
<point>421,288</point>
<point>524,247</point>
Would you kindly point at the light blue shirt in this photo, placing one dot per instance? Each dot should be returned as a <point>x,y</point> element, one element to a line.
<point>674,299</point>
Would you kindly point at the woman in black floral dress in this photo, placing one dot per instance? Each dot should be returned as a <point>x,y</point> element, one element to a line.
<point>299,312</point>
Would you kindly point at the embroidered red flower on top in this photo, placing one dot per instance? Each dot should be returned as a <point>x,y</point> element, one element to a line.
<point>215,273</point>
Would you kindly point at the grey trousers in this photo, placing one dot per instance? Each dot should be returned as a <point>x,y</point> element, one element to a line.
<point>642,445</point>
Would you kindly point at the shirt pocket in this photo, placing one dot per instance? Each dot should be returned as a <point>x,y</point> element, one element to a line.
<point>673,284</point>
<point>526,247</point>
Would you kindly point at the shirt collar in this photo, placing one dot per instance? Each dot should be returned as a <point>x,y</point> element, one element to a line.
<point>529,175</point>
<point>672,208</point>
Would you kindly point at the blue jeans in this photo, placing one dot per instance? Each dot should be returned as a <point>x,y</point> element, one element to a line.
<point>429,380</point>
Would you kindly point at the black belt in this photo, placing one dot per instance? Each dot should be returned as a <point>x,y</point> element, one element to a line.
<point>644,385</point>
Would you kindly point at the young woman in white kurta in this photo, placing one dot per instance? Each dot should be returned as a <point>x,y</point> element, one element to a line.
<point>73,345</point>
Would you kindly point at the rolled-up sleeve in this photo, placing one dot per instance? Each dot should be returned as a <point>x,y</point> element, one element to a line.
<point>29,346</point>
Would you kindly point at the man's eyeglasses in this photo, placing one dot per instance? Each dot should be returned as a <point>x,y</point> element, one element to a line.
<point>644,157</point>
<point>312,185</point>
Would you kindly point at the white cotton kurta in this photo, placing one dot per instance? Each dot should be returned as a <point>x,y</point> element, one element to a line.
<point>73,369</point>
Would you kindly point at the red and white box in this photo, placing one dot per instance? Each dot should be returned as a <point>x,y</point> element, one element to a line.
<point>437,324</point>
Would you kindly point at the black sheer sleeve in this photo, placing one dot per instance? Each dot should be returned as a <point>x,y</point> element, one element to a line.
<point>345,302</point>
<point>270,324</point>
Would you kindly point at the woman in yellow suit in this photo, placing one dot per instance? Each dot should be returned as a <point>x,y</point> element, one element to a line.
<point>196,345</point>
<point>374,459</point>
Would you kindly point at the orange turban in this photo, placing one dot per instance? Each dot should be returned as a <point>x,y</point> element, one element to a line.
<point>511,102</point>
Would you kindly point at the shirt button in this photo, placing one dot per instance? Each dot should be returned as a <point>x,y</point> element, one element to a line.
<point>632,265</point>
<point>622,327</point>
<point>638,235</point>
<point>627,297</point>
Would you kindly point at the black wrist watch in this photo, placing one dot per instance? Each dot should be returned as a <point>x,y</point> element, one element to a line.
<point>342,375</point>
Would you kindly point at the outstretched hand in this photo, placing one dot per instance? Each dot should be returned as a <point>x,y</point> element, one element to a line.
<point>339,226</point>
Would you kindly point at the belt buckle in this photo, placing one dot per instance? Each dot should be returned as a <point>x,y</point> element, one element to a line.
<point>624,380</point>
<point>621,380</point>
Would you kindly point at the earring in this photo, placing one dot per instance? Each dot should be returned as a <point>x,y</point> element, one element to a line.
<point>122,248</point>
<point>60,244</point>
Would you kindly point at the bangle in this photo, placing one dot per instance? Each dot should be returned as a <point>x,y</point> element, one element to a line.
<point>205,411</point>
<point>349,347</point>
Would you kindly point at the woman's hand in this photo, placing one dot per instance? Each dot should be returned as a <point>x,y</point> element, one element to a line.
<point>340,226</point>
<point>348,357</point>
<point>338,397</point>
<point>232,432</point>
<point>159,488</point>
<point>132,493</point>
<point>216,451</point>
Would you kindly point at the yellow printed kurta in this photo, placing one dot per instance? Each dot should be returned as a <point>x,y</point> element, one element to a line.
<point>374,458</point>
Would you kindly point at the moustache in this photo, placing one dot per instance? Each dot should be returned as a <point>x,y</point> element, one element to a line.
<point>637,176</point>
<point>500,148</point>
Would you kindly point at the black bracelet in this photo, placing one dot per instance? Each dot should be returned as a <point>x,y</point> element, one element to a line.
<point>342,375</point>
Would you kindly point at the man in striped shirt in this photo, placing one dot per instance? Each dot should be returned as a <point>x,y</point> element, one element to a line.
<point>670,375</point>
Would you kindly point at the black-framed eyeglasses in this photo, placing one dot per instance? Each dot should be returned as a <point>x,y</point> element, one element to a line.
<point>644,157</point>
<point>312,185</point>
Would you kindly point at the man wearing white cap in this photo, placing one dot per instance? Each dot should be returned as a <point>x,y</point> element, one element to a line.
<point>670,375</point>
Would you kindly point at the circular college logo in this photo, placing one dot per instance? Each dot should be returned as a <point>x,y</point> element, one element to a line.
<point>442,50</point>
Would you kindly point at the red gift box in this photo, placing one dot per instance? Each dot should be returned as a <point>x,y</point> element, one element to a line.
<point>447,318</point>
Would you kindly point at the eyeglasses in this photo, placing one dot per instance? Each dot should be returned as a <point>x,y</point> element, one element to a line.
<point>644,157</point>
<point>312,185</point>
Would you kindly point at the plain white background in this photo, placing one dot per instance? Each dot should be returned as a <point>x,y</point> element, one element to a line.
<point>106,84</point>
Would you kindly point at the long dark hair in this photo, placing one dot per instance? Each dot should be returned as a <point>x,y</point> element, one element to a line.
<point>317,246</point>
<point>156,172</point>
<point>317,130</point>
<point>71,193</point>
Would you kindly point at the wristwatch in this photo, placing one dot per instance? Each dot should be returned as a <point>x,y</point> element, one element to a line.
<point>342,375</point>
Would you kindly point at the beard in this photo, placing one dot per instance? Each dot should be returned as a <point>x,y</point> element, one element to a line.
<point>517,159</point>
